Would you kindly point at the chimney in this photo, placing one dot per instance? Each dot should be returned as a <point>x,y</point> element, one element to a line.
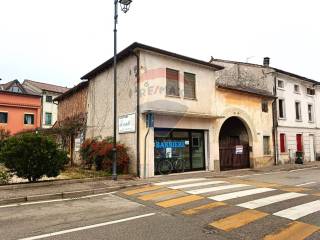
<point>266,61</point>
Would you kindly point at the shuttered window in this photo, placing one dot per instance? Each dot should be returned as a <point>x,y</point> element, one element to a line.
<point>189,85</point>
<point>282,143</point>
<point>172,87</point>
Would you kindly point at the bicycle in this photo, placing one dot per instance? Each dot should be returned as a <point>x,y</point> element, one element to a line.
<point>167,165</point>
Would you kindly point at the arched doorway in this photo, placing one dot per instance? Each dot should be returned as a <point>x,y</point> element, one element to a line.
<point>234,145</point>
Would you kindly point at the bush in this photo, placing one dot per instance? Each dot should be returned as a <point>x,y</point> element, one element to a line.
<point>32,156</point>
<point>4,134</point>
<point>99,153</point>
<point>4,176</point>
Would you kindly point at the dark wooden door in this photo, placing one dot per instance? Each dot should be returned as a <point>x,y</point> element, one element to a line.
<point>230,159</point>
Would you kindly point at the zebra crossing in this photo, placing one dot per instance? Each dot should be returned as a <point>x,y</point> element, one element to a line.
<point>252,201</point>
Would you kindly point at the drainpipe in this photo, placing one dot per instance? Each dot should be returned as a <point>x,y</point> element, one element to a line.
<point>275,122</point>
<point>145,154</point>
<point>138,113</point>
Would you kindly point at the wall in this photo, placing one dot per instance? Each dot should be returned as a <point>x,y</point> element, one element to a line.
<point>49,107</point>
<point>17,105</point>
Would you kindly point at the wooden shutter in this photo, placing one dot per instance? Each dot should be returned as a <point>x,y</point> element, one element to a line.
<point>189,85</point>
<point>172,88</point>
<point>282,143</point>
<point>299,143</point>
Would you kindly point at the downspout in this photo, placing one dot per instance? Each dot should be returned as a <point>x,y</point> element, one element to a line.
<point>275,121</point>
<point>138,113</point>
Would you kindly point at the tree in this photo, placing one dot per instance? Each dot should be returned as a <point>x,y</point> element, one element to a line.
<point>32,156</point>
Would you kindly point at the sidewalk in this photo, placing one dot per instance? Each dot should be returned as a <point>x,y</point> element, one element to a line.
<point>18,193</point>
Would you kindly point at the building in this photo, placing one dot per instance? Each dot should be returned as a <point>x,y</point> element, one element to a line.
<point>296,115</point>
<point>72,107</point>
<point>192,107</point>
<point>20,108</point>
<point>49,109</point>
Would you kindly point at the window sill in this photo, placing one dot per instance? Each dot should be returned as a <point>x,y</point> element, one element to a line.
<point>297,93</point>
<point>29,125</point>
<point>173,96</point>
<point>279,88</point>
<point>279,118</point>
<point>192,99</point>
<point>308,95</point>
<point>298,120</point>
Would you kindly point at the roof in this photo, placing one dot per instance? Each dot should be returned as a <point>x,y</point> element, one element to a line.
<point>47,87</point>
<point>130,50</point>
<point>73,90</point>
<point>261,66</point>
<point>25,91</point>
<point>253,91</point>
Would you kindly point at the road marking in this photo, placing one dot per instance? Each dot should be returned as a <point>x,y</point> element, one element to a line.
<point>197,184</point>
<point>238,220</point>
<point>215,189</point>
<point>270,200</point>
<point>293,189</point>
<point>141,190</point>
<point>299,211</point>
<point>294,231</point>
<point>155,195</point>
<point>202,208</point>
<point>55,200</point>
<point>87,227</point>
<point>304,184</point>
<point>238,194</point>
<point>180,181</point>
<point>179,201</point>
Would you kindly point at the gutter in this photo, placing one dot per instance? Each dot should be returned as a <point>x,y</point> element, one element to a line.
<point>138,112</point>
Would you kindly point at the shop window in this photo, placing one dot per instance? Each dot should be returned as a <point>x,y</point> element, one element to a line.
<point>280,84</point>
<point>282,143</point>
<point>29,119</point>
<point>49,99</point>
<point>266,145</point>
<point>282,113</point>
<point>264,106</point>
<point>298,111</point>
<point>310,112</point>
<point>48,118</point>
<point>3,117</point>
<point>310,91</point>
<point>189,85</point>
<point>172,87</point>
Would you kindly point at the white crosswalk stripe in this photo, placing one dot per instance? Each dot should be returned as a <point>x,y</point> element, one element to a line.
<point>270,200</point>
<point>196,184</point>
<point>215,189</point>
<point>233,195</point>
<point>299,211</point>
<point>180,181</point>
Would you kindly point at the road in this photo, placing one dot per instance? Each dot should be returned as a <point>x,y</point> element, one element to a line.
<point>267,206</point>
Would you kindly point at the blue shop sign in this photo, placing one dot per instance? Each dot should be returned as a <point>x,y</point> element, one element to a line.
<point>170,144</point>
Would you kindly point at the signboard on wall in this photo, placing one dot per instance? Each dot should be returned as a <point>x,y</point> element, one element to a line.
<point>239,149</point>
<point>127,123</point>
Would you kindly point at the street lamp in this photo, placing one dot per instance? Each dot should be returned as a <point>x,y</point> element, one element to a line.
<point>125,5</point>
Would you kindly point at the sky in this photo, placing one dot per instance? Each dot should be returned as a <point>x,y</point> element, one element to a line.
<point>58,41</point>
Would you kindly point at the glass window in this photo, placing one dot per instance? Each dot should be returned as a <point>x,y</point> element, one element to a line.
<point>298,110</point>
<point>282,143</point>
<point>310,91</point>
<point>189,85</point>
<point>29,119</point>
<point>172,88</point>
<point>264,106</point>
<point>266,145</point>
<point>48,120</point>
<point>280,84</point>
<point>296,88</point>
<point>3,117</point>
<point>310,112</point>
<point>282,113</point>
<point>48,98</point>
<point>15,89</point>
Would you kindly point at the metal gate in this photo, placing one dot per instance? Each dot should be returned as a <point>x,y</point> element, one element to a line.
<point>233,158</point>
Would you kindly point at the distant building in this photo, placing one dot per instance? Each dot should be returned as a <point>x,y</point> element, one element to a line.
<point>20,108</point>
<point>49,110</point>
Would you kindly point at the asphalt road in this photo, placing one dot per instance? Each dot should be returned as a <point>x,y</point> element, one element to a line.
<point>263,206</point>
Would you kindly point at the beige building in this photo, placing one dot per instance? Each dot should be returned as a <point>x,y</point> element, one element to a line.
<point>197,120</point>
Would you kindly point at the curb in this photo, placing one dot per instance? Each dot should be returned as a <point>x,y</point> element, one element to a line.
<point>65,195</point>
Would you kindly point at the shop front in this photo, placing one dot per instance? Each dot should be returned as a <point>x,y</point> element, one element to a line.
<point>178,150</point>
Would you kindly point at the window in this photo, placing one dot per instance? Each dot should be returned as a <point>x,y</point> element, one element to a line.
<point>172,88</point>
<point>3,117</point>
<point>282,113</point>
<point>310,91</point>
<point>48,98</point>
<point>282,143</point>
<point>310,112</point>
<point>266,145</point>
<point>296,88</point>
<point>299,142</point>
<point>15,89</point>
<point>280,84</point>
<point>298,110</point>
<point>264,106</point>
<point>28,119</point>
<point>189,85</point>
<point>48,120</point>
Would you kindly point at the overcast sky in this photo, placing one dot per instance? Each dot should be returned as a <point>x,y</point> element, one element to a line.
<point>58,41</point>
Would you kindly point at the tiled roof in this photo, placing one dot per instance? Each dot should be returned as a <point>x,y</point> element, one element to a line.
<point>47,87</point>
<point>6,86</point>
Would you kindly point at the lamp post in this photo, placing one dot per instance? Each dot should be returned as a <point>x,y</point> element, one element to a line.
<point>125,5</point>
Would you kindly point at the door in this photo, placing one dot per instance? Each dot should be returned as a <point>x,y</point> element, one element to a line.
<point>197,151</point>
<point>312,149</point>
<point>299,143</point>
